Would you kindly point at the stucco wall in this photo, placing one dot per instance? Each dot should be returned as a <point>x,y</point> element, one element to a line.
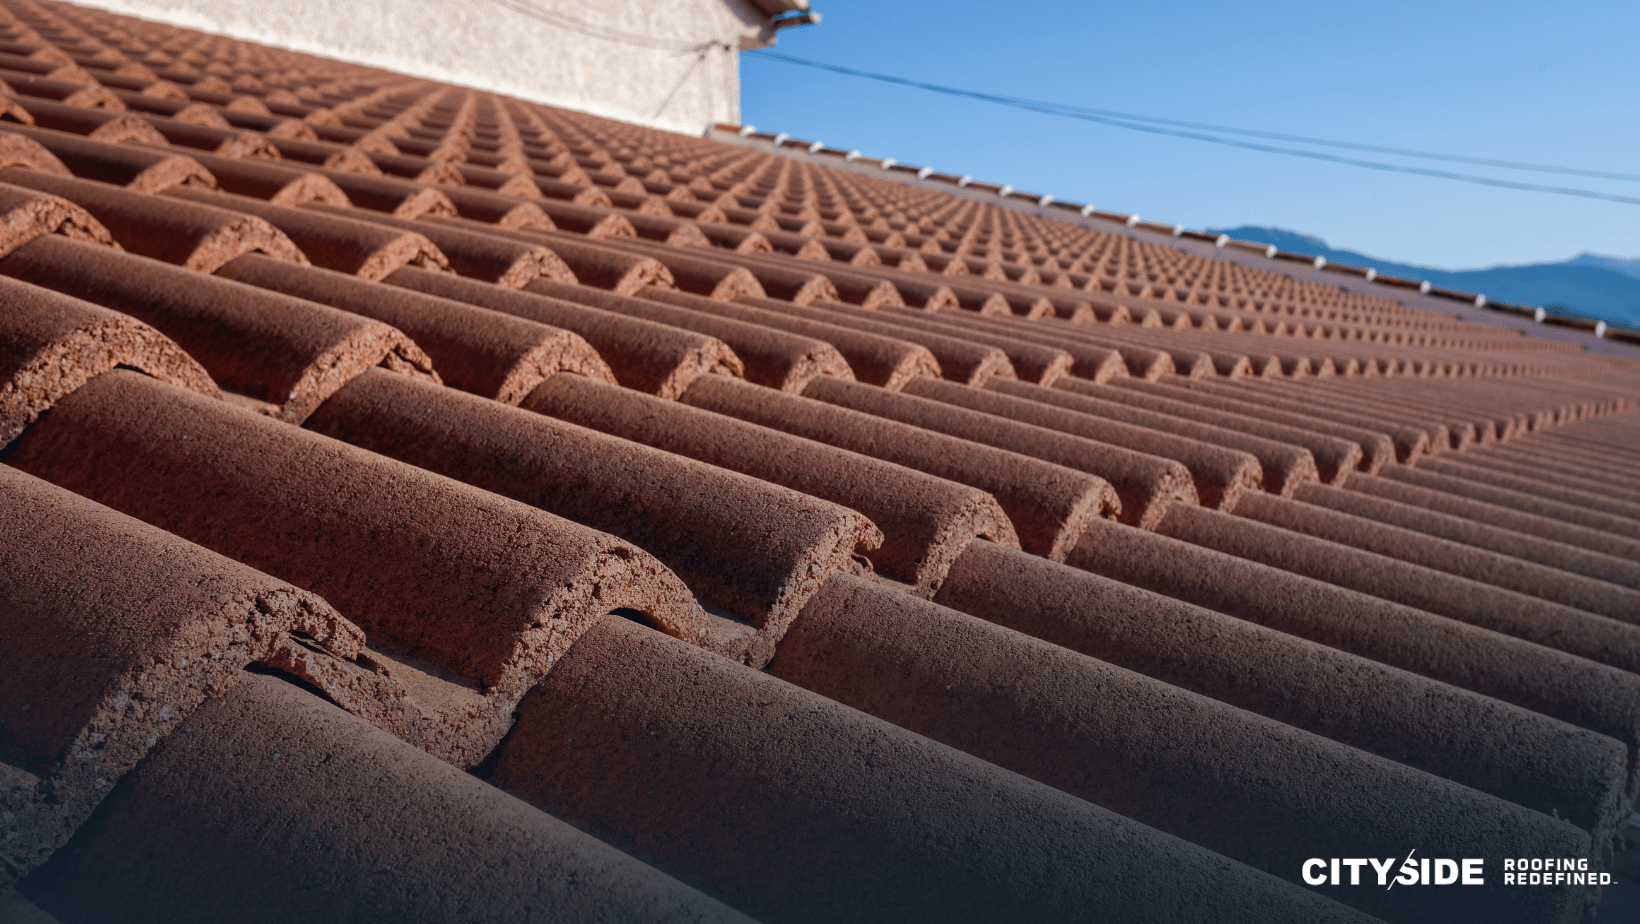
<point>665,63</point>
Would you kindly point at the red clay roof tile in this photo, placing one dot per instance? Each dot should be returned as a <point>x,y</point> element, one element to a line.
<point>748,547</point>
<point>1557,626</point>
<point>1145,484</point>
<point>477,350</point>
<point>1219,474</point>
<point>18,150</point>
<point>1334,457</point>
<point>840,282</point>
<point>1377,449</point>
<point>645,355</point>
<point>1087,727</point>
<point>226,142</point>
<point>872,358</point>
<point>140,169</point>
<point>271,783</point>
<point>1301,683</point>
<point>926,521</point>
<point>158,626</point>
<point>771,356</point>
<point>391,195</point>
<point>1569,548</point>
<point>1578,493</point>
<point>51,344</point>
<point>487,257</point>
<point>285,352</point>
<point>487,591</point>
<point>1565,686</point>
<point>26,215</point>
<point>1050,505</point>
<point>820,769</point>
<point>278,183</point>
<point>335,241</point>
<point>593,263</point>
<point>496,210</point>
<point>1497,569</point>
<point>188,234</point>
<point>1407,443</point>
<point>324,154</point>
<point>1095,363</point>
<point>960,358</point>
<point>1283,466</point>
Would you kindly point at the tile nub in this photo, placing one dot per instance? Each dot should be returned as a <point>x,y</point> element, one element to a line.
<point>1050,505</point>
<point>926,521</point>
<point>474,349</point>
<point>468,598</point>
<point>650,357</point>
<point>187,234</point>
<point>157,626</point>
<point>269,783</point>
<point>745,546</point>
<point>284,354</point>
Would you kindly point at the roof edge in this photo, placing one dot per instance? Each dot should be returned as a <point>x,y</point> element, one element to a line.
<point>1535,321</point>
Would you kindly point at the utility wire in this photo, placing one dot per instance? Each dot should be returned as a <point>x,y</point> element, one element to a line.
<point>1351,161</point>
<point>594,30</point>
<point>1129,120</point>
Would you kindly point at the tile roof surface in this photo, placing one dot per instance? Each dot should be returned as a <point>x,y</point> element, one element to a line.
<point>418,504</point>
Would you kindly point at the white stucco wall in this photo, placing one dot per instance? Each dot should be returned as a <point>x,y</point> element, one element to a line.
<point>665,63</point>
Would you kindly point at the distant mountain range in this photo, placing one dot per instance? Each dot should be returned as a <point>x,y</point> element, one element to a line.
<point>1588,285</point>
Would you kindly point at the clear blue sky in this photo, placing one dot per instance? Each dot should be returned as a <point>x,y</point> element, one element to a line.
<point>1545,83</point>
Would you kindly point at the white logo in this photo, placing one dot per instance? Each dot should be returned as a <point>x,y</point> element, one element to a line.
<point>1413,872</point>
<point>1425,871</point>
<point>1551,871</point>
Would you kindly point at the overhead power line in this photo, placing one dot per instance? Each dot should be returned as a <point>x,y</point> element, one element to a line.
<point>1043,105</point>
<point>1154,125</point>
<point>607,33</point>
